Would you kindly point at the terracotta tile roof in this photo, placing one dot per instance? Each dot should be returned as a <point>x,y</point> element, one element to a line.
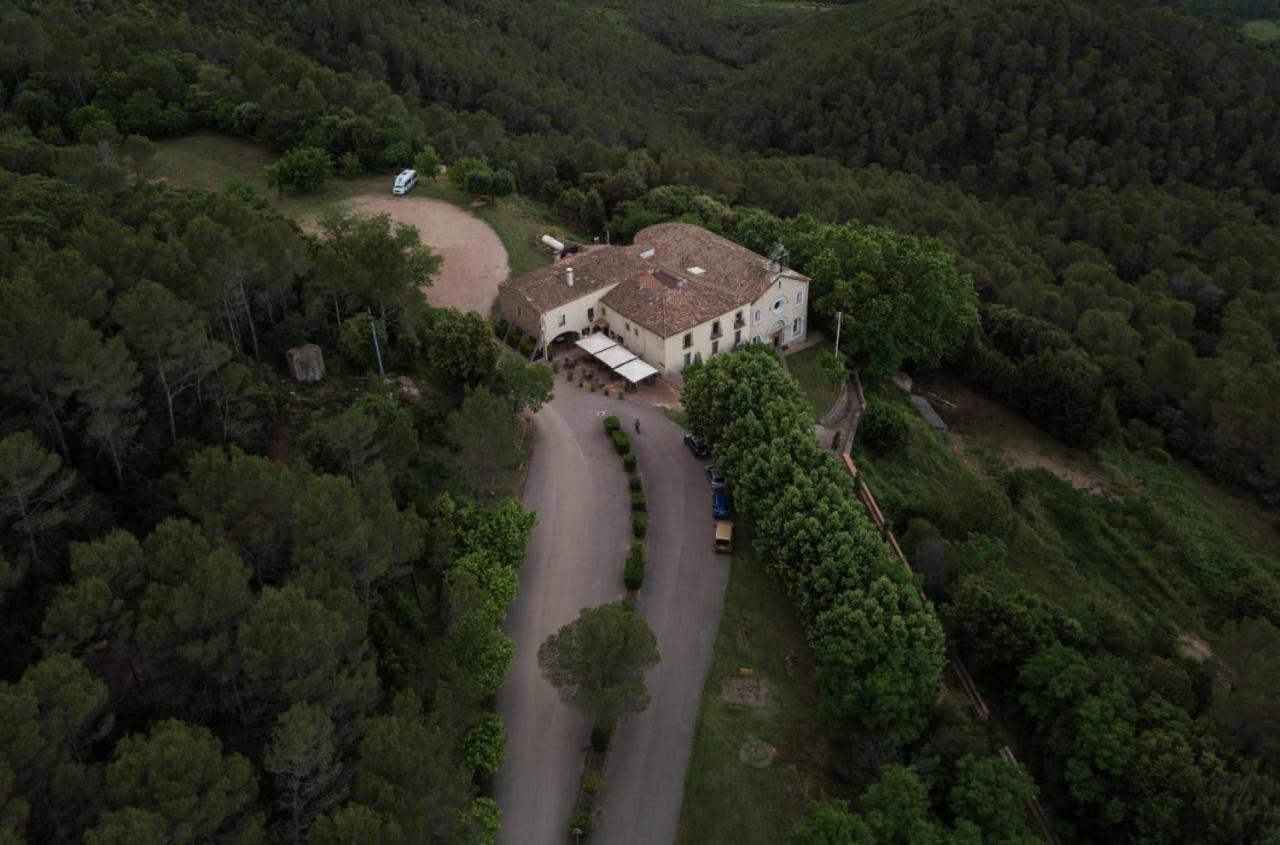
<point>725,264</point>
<point>546,288</point>
<point>669,307</point>
<point>676,276</point>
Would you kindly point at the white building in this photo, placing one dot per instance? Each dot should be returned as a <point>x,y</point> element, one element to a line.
<point>680,294</point>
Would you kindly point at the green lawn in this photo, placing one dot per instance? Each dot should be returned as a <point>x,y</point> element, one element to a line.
<point>726,800</point>
<point>207,160</point>
<point>806,366</point>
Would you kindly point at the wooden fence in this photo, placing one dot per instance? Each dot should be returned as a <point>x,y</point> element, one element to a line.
<point>1039,819</point>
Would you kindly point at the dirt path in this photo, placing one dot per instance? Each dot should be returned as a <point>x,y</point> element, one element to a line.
<point>475,260</point>
<point>979,422</point>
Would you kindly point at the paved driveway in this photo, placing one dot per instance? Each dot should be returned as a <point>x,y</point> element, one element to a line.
<point>575,560</point>
<point>577,486</point>
<point>681,598</point>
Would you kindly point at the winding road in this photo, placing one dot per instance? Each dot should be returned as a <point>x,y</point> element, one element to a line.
<point>577,486</point>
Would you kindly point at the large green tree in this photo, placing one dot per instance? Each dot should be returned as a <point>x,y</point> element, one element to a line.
<point>598,662</point>
<point>880,651</point>
<point>179,773</point>
<point>35,493</point>
<point>903,300</point>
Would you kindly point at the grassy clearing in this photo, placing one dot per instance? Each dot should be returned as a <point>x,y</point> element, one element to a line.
<point>1135,546</point>
<point>725,799</point>
<point>207,160</point>
<point>806,366</point>
<point>1261,31</point>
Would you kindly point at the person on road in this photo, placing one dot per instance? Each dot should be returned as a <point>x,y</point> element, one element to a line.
<point>637,425</point>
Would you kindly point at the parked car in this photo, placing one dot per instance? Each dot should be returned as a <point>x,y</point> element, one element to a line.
<point>721,505</point>
<point>697,445</point>
<point>724,537</point>
<point>718,481</point>
<point>405,180</point>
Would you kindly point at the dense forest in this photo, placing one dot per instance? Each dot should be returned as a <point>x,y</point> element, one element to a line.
<point>1107,173</point>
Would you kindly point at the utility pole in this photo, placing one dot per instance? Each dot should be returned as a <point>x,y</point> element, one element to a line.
<point>838,315</point>
<point>377,351</point>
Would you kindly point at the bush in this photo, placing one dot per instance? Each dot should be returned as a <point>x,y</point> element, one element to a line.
<point>611,424</point>
<point>600,737</point>
<point>555,367</point>
<point>639,524</point>
<point>568,375</point>
<point>633,573</point>
<point>482,744</point>
<point>884,426</point>
<point>356,341</point>
<point>526,347</point>
<point>637,500</point>
<point>500,329</point>
<point>582,822</point>
<point>634,480</point>
<point>591,783</point>
<point>629,462</point>
<point>621,443</point>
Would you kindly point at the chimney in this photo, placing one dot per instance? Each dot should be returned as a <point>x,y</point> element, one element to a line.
<point>568,276</point>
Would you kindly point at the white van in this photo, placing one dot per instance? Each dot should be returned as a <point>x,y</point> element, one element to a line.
<point>404,181</point>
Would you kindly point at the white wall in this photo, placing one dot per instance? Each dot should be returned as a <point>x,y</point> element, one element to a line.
<point>575,315</point>
<point>789,289</point>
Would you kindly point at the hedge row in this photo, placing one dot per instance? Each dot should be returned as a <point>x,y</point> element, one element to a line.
<point>878,643</point>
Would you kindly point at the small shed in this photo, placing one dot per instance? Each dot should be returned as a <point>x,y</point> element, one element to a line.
<point>929,415</point>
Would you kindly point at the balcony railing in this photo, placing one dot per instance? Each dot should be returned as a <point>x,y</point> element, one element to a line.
<point>716,334</point>
<point>739,323</point>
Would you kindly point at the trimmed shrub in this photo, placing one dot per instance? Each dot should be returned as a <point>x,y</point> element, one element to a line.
<point>593,387</point>
<point>600,738</point>
<point>621,443</point>
<point>582,822</point>
<point>591,783</point>
<point>884,426</point>
<point>633,572</point>
<point>639,524</point>
<point>629,462</point>
<point>637,500</point>
<point>568,375</point>
<point>633,575</point>
<point>555,367</point>
<point>634,480</point>
<point>611,424</point>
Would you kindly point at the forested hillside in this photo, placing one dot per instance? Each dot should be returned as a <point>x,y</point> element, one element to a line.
<point>1106,173</point>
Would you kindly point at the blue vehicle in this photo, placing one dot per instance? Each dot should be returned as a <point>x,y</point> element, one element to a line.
<point>721,505</point>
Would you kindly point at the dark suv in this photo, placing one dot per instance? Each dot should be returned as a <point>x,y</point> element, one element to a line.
<point>697,445</point>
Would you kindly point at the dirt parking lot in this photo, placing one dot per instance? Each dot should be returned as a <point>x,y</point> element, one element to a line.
<point>474,259</point>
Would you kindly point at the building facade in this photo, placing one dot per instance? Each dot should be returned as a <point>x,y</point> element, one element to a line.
<point>677,296</point>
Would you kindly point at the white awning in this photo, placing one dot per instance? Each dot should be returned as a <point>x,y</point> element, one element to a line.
<point>615,356</point>
<point>595,343</point>
<point>635,371</point>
